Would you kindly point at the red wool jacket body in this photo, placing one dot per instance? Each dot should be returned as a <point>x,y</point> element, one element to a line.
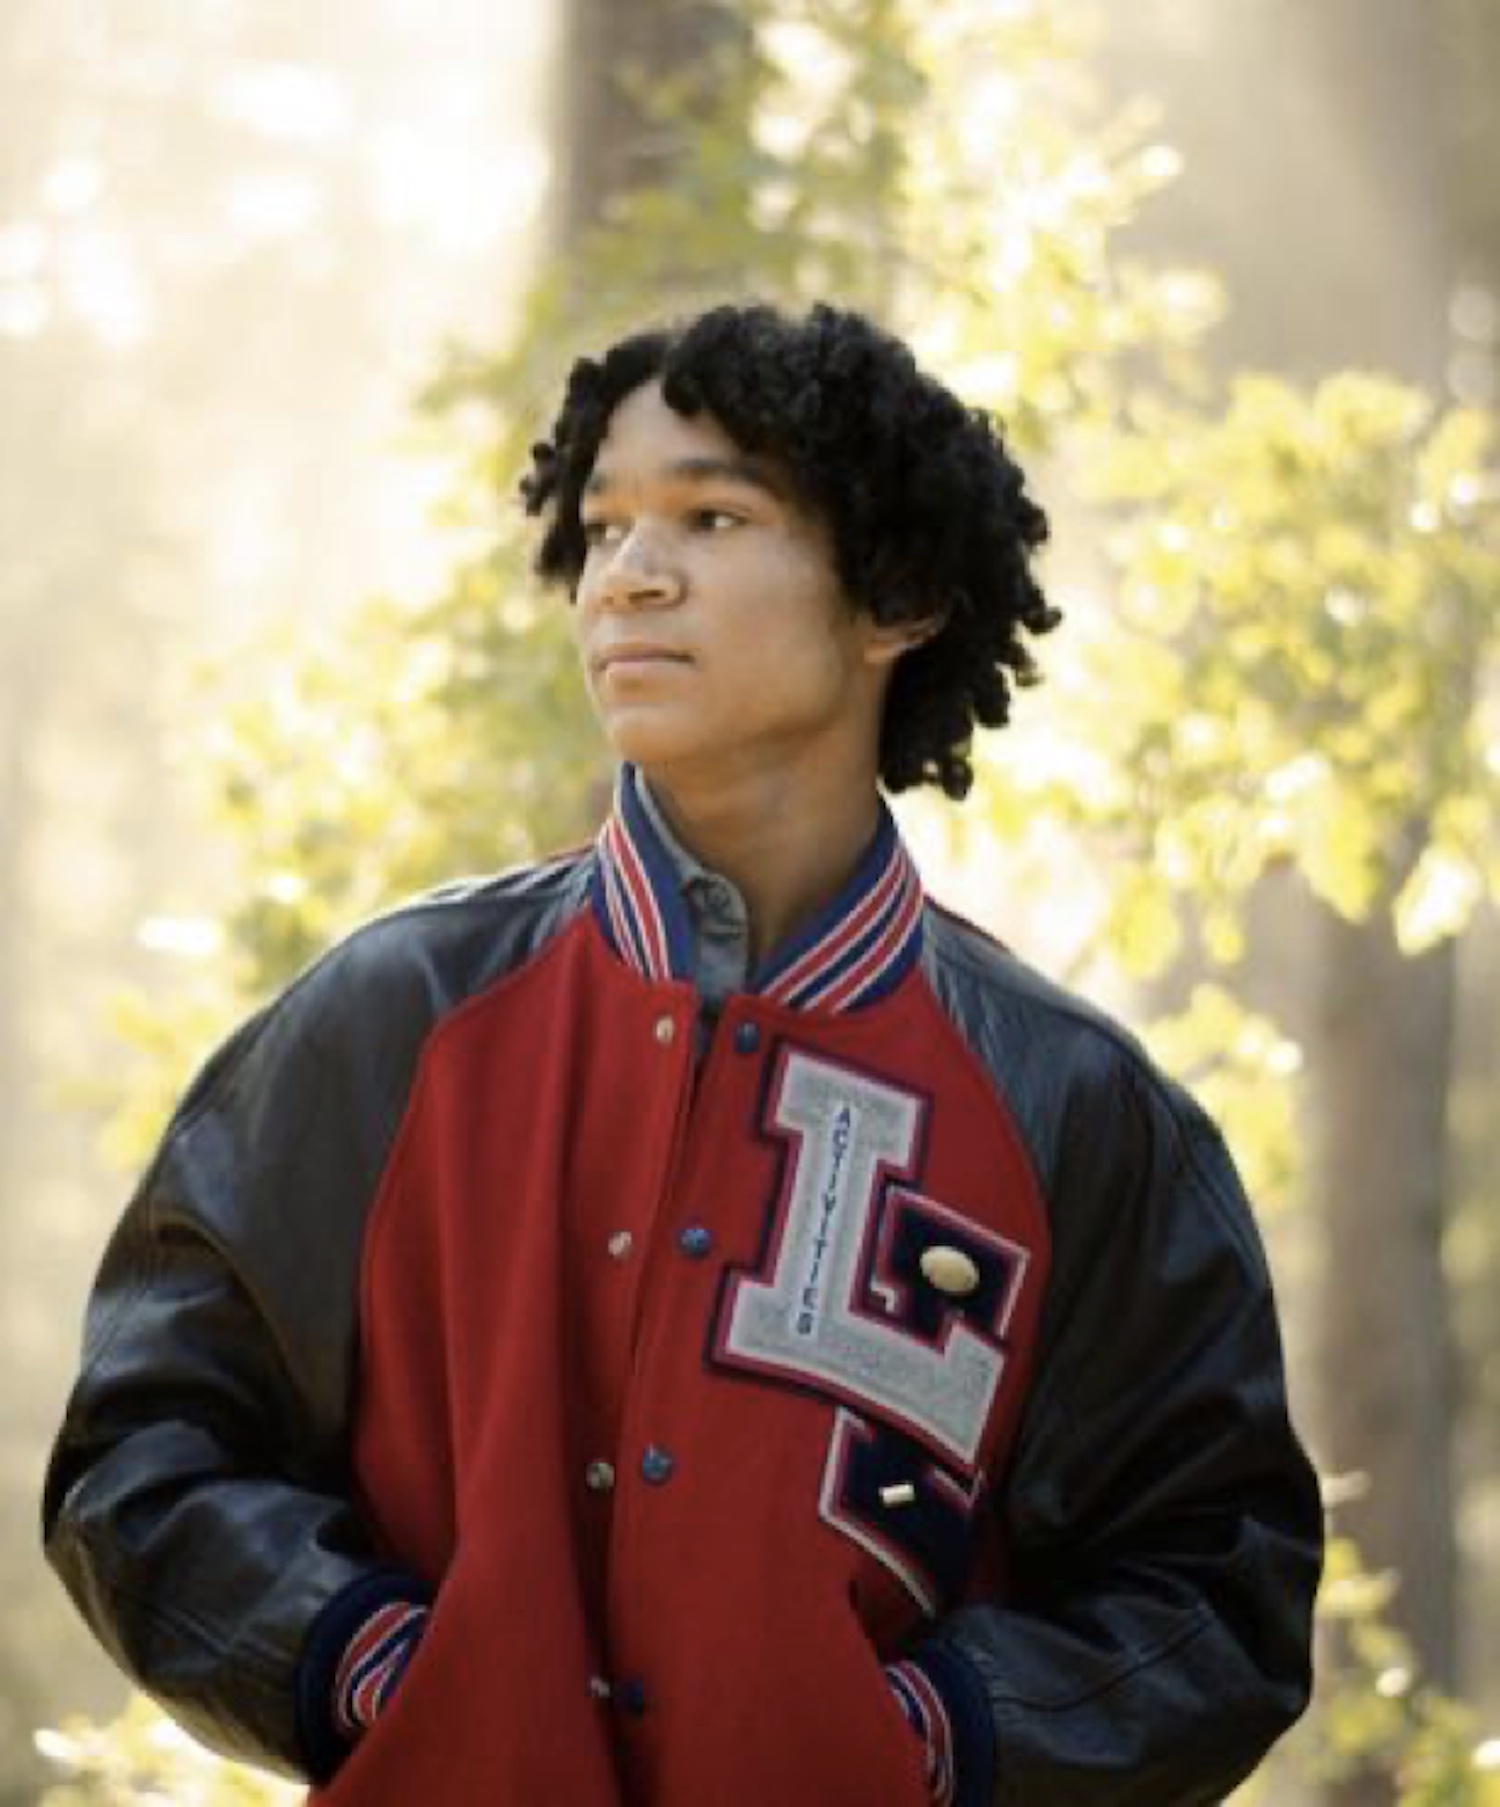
<point>915,1317</point>
<point>750,1559</point>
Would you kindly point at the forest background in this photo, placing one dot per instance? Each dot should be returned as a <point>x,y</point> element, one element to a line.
<point>286,290</point>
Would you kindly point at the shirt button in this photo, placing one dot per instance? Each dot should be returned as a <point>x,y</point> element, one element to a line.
<point>657,1466</point>
<point>747,1038</point>
<point>620,1244</point>
<point>630,1696</point>
<point>664,1030</point>
<point>696,1241</point>
<point>599,1477</point>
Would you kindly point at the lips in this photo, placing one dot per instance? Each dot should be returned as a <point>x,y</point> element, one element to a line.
<point>636,653</point>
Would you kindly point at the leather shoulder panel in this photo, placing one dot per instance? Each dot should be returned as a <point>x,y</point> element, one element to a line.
<point>276,1153</point>
<point>1048,1052</point>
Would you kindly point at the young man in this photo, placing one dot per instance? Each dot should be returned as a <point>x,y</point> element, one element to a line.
<point>693,1322</point>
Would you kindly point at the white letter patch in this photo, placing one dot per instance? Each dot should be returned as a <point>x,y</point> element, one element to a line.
<point>832,1306</point>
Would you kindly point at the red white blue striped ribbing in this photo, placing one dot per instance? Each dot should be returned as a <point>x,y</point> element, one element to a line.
<point>373,1662</point>
<point>854,957</point>
<point>854,951</point>
<point>928,1718</point>
<point>635,916</point>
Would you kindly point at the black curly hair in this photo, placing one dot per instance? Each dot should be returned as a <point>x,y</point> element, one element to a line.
<point>927,510</point>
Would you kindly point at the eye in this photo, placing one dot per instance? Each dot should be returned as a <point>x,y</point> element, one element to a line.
<point>713,520</point>
<point>602,533</point>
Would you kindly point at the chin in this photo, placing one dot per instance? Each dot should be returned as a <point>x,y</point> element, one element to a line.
<point>644,742</point>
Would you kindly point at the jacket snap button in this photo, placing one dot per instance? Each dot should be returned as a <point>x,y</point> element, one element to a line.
<point>657,1466</point>
<point>665,1030</point>
<point>630,1696</point>
<point>620,1244</point>
<point>949,1270</point>
<point>696,1241</point>
<point>599,1477</point>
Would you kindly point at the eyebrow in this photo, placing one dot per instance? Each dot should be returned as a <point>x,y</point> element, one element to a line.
<point>703,470</point>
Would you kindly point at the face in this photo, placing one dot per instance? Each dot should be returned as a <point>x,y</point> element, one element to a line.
<point>715,636</point>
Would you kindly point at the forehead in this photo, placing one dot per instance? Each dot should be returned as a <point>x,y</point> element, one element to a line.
<point>647,440</point>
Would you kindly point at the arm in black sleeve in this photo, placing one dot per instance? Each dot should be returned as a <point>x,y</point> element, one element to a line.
<point>197,1503</point>
<point>1164,1523</point>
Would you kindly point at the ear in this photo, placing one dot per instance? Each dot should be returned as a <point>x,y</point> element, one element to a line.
<point>888,640</point>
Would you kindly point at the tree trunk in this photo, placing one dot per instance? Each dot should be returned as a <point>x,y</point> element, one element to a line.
<point>1388,1407</point>
<point>1387,1025</point>
<point>605,142</point>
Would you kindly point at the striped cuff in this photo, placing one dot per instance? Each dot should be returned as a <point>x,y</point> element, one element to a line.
<point>355,1654</point>
<point>944,1700</point>
<point>373,1662</point>
<point>928,1718</point>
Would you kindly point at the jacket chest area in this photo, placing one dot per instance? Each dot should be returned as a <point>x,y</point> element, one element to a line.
<point>616,1261</point>
<point>806,1219</point>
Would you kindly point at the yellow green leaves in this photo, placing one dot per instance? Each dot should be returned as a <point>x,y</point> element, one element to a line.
<point>1375,1702</point>
<point>1317,573</point>
<point>1142,925</point>
<point>141,1758</point>
<point>1337,846</point>
<point>1438,898</point>
<point>1243,1069</point>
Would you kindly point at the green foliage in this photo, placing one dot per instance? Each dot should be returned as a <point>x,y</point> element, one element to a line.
<point>1306,619</point>
<point>1241,1068</point>
<point>1014,194</point>
<point>427,744</point>
<point>1373,1710</point>
<point>142,1759</point>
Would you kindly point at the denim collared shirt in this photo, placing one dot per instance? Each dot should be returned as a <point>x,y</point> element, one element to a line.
<point>719,917</point>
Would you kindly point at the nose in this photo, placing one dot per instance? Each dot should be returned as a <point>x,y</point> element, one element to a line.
<point>639,574</point>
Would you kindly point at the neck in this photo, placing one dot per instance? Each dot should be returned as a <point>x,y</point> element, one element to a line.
<point>789,849</point>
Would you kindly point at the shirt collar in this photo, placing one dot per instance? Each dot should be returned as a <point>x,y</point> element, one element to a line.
<point>689,868</point>
<point>855,950</point>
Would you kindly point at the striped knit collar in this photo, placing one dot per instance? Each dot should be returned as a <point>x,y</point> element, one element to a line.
<point>854,951</point>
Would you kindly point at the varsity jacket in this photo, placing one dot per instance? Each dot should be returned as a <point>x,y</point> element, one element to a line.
<point>641,1424</point>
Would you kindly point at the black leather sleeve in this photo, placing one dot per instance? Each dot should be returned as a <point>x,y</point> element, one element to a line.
<point>1164,1522</point>
<point>196,1504</point>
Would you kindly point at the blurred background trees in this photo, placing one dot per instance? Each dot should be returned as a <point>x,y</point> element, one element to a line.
<point>231,239</point>
<point>1255,806</point>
